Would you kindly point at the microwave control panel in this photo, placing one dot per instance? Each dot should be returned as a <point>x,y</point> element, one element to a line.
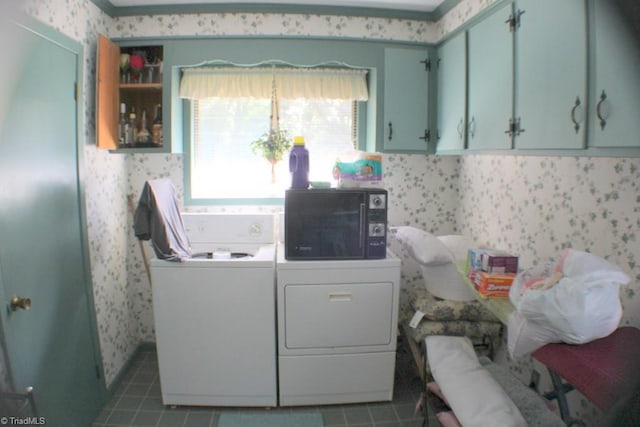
<point>377,214</point>
<point>377,225</point>
<point>378,201</point>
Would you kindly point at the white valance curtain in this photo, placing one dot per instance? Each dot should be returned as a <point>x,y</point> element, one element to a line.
<point>260,82</point>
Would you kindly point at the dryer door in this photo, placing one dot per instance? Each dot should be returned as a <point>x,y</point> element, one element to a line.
<point>338,315</point>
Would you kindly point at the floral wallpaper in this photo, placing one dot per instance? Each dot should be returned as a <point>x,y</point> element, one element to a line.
<point>538,206</point>
<point>264,24</point>
<point>534,206</point>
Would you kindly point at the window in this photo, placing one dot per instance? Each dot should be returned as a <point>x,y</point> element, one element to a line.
<point>222,165</point>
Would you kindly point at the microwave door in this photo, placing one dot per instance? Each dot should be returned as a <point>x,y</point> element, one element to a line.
<point>348,220</point>
<point>326,239</point>
<point>337,235</point>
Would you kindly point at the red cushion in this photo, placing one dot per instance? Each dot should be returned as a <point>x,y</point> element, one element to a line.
<point>604,370</point>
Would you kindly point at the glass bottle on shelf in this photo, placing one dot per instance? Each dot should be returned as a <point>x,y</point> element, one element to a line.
<point>122,125</point>
<point>124,68</point>
<point>156,127</point>
<point>150,72</point>
<point>132,132</point>
<point>143,134</point>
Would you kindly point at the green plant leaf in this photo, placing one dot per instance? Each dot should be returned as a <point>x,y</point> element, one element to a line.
<point>272,145</point>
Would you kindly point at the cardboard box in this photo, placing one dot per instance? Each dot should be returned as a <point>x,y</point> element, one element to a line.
<point>474,259</point>
<point>492,285</point>
<point>494,261</point>
<point>471,274</point>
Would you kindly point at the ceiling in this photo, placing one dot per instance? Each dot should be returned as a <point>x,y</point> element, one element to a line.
<point>406,5</point>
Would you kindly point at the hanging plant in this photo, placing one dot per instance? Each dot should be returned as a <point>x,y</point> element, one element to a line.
<point>272,145</point>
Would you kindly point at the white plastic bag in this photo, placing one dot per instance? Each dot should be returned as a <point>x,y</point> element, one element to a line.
<point>576,301</point>
<point>526,336</point>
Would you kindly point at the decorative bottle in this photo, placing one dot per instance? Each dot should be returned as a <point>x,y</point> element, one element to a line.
<point>132,132</point>
<point>156,127</point>
<point>299,164</point>
<point>143,134</point>
<point>122,125</point>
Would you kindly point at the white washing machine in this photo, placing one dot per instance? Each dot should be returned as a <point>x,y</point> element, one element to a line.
<point>215,317</point>
<point>337,329</point>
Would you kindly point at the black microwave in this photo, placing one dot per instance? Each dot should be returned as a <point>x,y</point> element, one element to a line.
<point>335,224</point>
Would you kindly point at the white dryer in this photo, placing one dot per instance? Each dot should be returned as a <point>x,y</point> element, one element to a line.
<point>337,330</point>
<point>214,314</point>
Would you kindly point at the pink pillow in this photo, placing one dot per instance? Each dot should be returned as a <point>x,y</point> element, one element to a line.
<point>445,418</point>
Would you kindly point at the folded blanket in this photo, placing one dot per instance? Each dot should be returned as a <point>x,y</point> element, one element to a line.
<point>443,309</point>
<point>481,333</point>
<point>536,410</point>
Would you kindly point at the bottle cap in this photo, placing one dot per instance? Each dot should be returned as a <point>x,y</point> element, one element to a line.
<point>298,140</point>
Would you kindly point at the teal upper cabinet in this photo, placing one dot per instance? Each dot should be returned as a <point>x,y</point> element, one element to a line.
<point>551,74</point>
<point>452,78</point>
<point>490,95</point>
<point>615,107</point>
<point>406,95</point>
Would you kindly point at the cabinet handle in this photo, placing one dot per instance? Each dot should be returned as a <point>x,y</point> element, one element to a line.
<point>472,127</point>
<point>362,227</point>
<point>576,123</point>
<point>460,128</point>
<point>340,296</point>
<point>603,122</point>
<point>518,16</point>
<point>390,131</point>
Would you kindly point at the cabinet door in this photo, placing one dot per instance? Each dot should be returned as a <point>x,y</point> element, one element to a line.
<point>615,107</point>
<point>551,73</point>
<point>490,47</point>
<point>107,94</point>
<point>53,347</point>
<point>406,94</point>
<point>452,75</point>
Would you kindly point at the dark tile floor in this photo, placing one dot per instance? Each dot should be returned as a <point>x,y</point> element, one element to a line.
<point>136,401</point>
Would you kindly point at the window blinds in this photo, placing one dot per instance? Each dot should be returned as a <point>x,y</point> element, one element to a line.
<point>290,83</point>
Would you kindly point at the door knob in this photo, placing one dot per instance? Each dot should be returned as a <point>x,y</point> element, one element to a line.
<point>18,302</point>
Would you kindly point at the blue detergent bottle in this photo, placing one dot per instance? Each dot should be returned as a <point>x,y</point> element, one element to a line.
<point>299,164</point>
